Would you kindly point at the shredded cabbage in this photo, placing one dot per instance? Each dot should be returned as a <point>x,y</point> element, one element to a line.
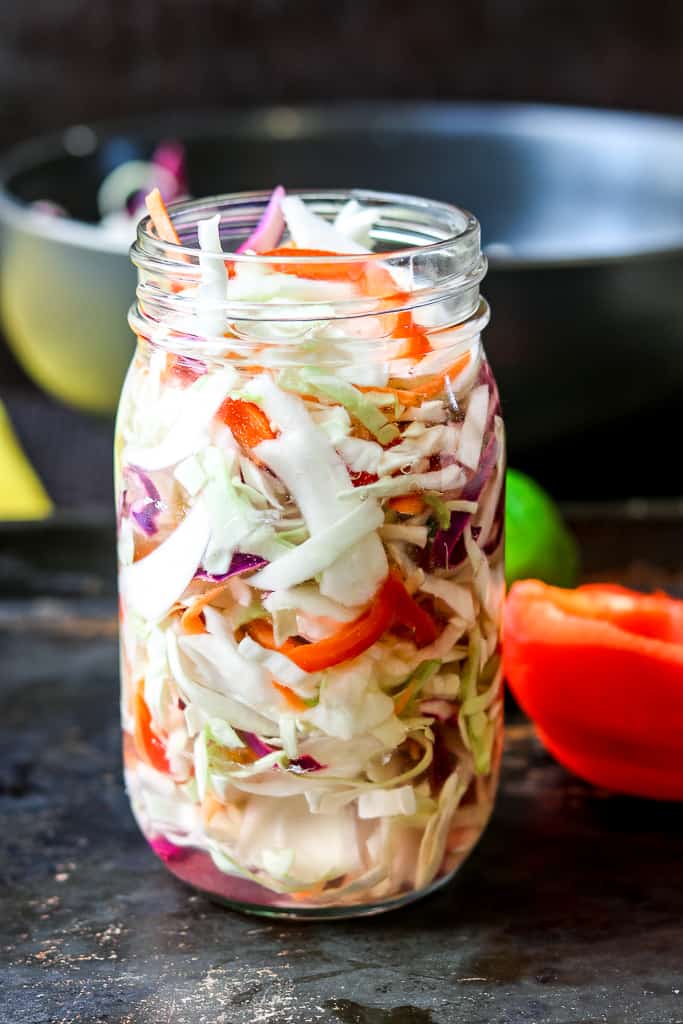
<point>190,475</point>
<point>311,380</point>
<point>380,803</point>
<point>450,478</point>
<point>326,788</point>
<point>404,532</point>
<point>457,596</point>
<point>307,599</point>
<point>212,291</point>
<point>419,678</point>
<point>231,514</point>
<point>319,552</point>
<point>288,736</point>
<point>187,433</point>
<point>126,543</point>
<point>334,421</point>
<point>214,704</point>
<point>221,664</point>
<point>322,847</point>
<point>355,221</point>
<point>154,583</point>
<point>350,704</point>
<point>472,434</point>
<point>309,231</point>
<point>278,666</point>
<point>434,838</point>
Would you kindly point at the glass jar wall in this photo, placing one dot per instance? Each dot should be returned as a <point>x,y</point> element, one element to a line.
<point>310,476</point>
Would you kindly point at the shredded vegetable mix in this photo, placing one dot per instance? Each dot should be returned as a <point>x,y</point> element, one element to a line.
<point>311,574</point>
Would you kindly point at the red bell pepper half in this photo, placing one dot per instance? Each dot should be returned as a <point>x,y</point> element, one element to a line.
<point>599,670</point>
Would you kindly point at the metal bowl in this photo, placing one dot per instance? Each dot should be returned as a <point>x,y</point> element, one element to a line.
<point>581,210</point>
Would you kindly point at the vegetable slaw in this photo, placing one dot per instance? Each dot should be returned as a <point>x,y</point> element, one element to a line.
<point>311,579</point>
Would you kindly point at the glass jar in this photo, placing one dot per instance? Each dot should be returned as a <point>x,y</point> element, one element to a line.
<point>310,478</point>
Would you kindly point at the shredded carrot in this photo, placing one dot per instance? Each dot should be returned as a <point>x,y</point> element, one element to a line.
<point>144,546</point>
<point>416,344</point>
<point>161,219</point>
<point>261,631</point>
<point>210,806</point>
<point>149,746</point>
<point>253,368</point>
<point>295,702</point>
<point>304,894</point>
<point>403,700</point>
<point>354,270</point>
<point>241,755</point>
<point>431,386</point>
<point>403,396</point>
<point>407,504</point>
<point>191,620</point>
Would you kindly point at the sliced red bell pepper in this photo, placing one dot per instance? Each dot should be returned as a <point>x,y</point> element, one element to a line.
<point>391,605</point>
<point>248,423</point>
<point>362,479</point>
<point>148,745</point>
<point>370,276</point>
<point>348,642</point>
<point>338,270</point>
<point>416,340</point>
<point>599,670</point>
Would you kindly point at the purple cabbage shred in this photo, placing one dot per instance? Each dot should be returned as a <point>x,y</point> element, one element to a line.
<point>241,562</point>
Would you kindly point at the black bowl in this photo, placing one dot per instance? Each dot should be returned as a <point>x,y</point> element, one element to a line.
<point>582,220</point>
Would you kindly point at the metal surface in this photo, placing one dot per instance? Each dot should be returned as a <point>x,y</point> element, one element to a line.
<point>569,911</point>
<point>582,216</point>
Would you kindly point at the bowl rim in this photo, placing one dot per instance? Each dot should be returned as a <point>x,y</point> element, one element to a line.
<point>310,121</point>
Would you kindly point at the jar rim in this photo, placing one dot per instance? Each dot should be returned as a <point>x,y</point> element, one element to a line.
<point>443,265</point>
<point>148,244</point>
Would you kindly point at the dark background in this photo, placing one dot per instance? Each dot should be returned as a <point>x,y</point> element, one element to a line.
<point>69,61</point>
<point>72,60</point>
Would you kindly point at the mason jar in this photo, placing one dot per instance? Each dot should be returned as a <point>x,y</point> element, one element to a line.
<point>310,483</point>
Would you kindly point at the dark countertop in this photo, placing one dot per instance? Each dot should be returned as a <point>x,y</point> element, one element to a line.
<point>569,912</point>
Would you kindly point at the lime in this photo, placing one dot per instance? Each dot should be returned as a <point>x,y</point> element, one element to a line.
<point>538,545</point>
<point>22,496</point>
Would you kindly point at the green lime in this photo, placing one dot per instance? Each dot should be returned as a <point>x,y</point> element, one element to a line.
<point>537,542</point>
